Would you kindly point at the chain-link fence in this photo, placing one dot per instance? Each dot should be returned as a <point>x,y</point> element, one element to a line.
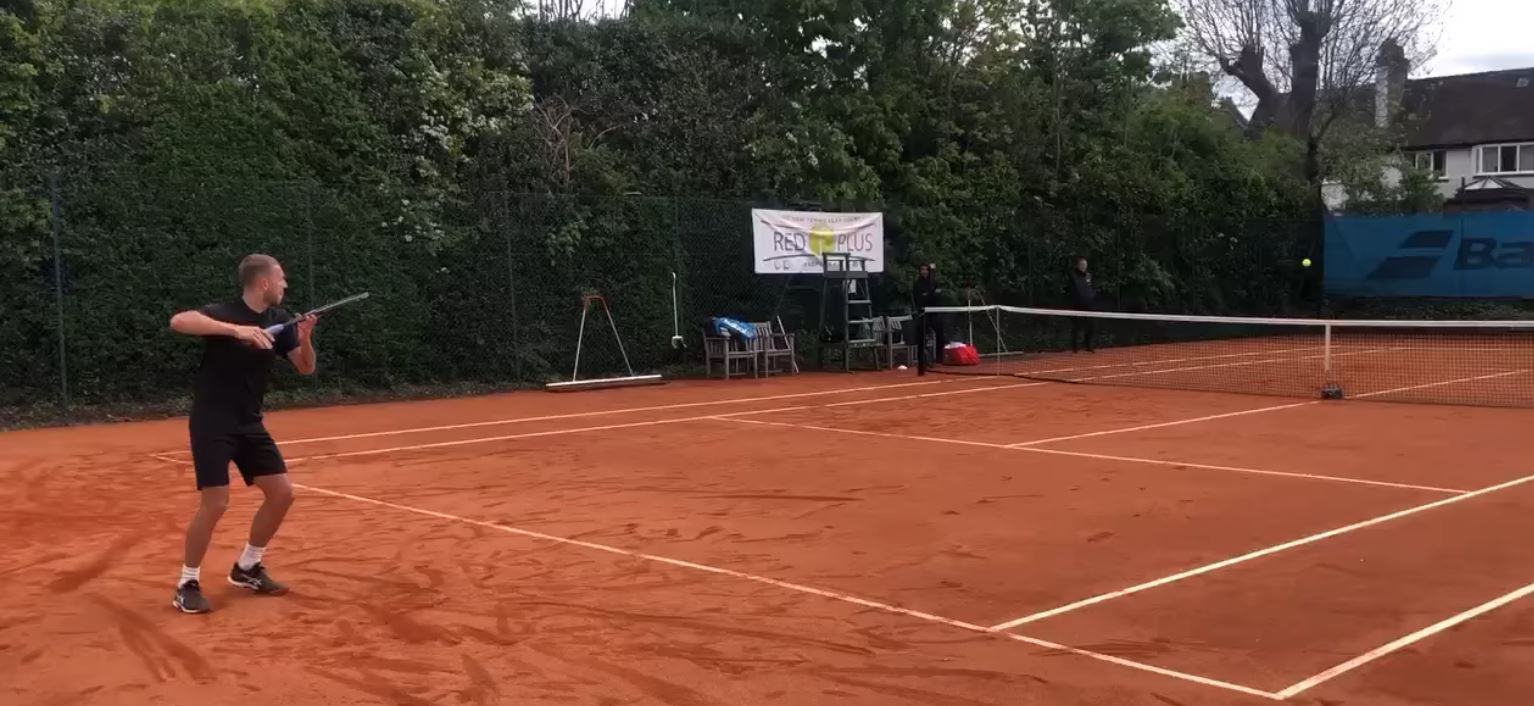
<point>485,289</point>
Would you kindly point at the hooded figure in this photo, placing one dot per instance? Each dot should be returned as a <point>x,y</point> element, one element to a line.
<point>1083,298</point>
<point>927,293</point>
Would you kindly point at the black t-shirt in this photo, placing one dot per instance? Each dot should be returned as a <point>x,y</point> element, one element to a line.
<point>231,381</point>
<point>927,292</point>
<point>1083,294</point>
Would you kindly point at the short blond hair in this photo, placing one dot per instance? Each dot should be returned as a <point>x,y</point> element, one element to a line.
<point>254,267</point>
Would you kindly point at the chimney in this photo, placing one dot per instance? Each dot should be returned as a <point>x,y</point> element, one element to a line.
<point>1391,68</point>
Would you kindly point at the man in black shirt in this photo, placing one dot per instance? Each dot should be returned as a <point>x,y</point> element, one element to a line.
<point>1083,298</point>
<point>926,293</point>
<point>226,422</point>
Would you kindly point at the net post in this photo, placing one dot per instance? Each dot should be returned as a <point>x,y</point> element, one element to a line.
<point>969,301</point>
<point>1326,353</point>
<point>995,315</point>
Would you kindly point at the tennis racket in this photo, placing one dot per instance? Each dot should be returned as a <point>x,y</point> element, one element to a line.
<point>277,328</point>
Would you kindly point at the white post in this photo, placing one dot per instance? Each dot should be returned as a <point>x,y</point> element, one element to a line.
<point>969,301</point>
<point>1326,354</point>
<point>1000,345</point>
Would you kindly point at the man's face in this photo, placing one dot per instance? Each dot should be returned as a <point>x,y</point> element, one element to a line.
<point>273,286</point>
<point>1081,265</point>
<point>924,271</point>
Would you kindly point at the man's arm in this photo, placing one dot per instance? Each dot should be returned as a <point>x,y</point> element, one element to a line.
<point>303,357</point>
<point>196,323</point>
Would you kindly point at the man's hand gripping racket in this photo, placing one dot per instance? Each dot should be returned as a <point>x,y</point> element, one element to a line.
<point>312,313</point>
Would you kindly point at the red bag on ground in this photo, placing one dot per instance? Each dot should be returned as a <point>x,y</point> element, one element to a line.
<point>964,354</point>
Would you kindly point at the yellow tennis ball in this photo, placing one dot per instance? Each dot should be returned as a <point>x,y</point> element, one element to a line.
<point>1305,262</point>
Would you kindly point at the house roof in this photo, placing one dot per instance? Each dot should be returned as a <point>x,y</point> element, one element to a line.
<point>1490,194</point>
<point>1471,109</point>
<point>1448,111</point>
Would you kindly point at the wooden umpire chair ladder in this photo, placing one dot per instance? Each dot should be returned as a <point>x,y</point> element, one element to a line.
<point>849,278</point>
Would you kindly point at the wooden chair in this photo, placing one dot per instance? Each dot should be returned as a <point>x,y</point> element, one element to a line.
<point>899,339</point>
<point>775,347</point>
<point>727,350</point>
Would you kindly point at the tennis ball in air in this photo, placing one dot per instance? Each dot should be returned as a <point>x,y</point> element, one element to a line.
<point>1305,262</point>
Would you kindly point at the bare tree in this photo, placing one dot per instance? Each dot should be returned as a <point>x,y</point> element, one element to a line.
<point>1307,61</point>
<point>567,10</point>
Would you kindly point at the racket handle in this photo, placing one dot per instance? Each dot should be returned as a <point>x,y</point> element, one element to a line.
<point>276,329</point>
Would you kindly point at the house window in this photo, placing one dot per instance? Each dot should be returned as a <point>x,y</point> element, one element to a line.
<point>1505,159</point>
<point>1434,161</point>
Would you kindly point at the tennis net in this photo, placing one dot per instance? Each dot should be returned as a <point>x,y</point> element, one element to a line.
<point>1484,363</point>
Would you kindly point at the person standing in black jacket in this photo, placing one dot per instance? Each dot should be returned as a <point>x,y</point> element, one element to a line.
<point>1083,298</point>
<point>926,293</point>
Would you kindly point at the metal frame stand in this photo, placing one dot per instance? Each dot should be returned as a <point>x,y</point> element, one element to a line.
<point>575,382</point>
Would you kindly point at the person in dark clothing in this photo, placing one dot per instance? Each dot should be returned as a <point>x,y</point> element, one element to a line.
<point>226,422</point>
<point>1083,298</point>
<point>927,293</point>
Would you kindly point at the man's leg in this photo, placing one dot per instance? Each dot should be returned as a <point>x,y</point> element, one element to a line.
<point>278,492</point>
<point>199,534</point>
<point>1075,334</point>
<point>262,465</point>
<point>921,349</point>
<point>1090,327</point>
<point>210,457</point>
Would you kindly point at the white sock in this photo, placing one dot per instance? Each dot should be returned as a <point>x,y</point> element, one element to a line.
<point>251,557</point>
<point>189,573</point>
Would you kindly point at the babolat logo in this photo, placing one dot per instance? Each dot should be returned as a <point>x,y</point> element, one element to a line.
<point>1427,248</point>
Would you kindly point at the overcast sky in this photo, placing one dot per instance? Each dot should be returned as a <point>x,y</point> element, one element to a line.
<point>1482,35</point>
<point>1477,35</point>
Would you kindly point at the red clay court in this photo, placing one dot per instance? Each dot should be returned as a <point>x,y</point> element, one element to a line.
<point>823,539</point>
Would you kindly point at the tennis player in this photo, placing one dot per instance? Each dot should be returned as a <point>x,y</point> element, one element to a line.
<point>226,423</point>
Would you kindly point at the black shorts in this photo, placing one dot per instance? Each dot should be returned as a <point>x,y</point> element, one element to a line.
<point>248,446</point>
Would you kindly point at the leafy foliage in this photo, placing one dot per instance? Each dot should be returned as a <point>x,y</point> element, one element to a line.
<point>477,168</point>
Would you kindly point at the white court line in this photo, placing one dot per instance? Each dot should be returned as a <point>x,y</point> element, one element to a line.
<point>535,434</point>
<point>1162,425</point>
<point>1207,568</point>
<point>649,422</point>
<point>1101,457</point>
<point>988,388</point>
<point>1206,681</point>
<point>1441,384</point>
<point>1164,361</point>
<point>1238,469</point>
<point>1259,410</point>
<point>1419,635</point>
<point>605,412</point>
<point>1234,365</point>
<point>800,588</point>
<point>737,400</point>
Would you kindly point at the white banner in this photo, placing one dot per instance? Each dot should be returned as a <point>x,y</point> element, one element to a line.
<point>792,242</point>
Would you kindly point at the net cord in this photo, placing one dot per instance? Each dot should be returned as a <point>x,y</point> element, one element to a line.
<point>1248,320</point>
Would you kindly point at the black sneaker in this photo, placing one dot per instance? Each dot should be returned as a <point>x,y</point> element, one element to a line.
<point>189,598</point>
<point>256,579</point>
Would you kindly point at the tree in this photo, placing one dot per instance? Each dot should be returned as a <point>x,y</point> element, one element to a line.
<point>1308,62</point>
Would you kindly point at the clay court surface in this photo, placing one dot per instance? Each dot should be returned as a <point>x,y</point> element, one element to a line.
<point>824,539</point>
